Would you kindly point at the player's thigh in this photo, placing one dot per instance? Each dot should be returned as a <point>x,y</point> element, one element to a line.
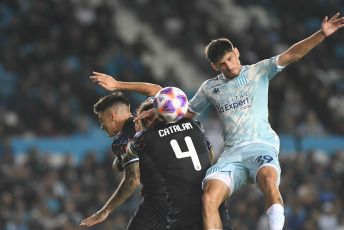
<point>262,159</point>
<point>224,178</point>
<point>150,215</point>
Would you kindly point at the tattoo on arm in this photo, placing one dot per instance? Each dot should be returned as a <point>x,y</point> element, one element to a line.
<point>128,185</point>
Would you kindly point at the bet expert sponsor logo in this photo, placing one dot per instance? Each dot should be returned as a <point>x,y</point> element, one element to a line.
<point>242,102</point>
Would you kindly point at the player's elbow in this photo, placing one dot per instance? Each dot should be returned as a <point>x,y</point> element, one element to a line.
<point>137,181</point>
<point>134,180</point>
<point>289,57</point>
<point>115,166</point>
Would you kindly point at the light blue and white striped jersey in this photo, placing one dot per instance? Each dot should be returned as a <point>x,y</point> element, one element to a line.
<point>241,103</point>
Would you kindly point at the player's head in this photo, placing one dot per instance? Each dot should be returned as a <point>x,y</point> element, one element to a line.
<point>148,121</point>
<point>224,57</point>
<point>113,110</point>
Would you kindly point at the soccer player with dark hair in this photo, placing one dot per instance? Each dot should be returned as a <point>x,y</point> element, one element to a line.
<point>182,154</point>
<point>114,114</point>
<point>240,96</point>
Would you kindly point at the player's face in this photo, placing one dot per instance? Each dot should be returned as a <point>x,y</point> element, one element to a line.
<point>229,64</point>
<point>108,122</point>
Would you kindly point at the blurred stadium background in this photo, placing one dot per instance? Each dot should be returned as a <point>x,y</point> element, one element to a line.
<point>55,162</point>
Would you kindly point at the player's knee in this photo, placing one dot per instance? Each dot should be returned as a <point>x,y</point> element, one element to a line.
<point>267,177</point>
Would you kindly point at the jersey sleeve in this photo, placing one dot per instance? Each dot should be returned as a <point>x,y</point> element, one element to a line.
<point>119,148</point>
<point>270,67</point>
<point>200,101</point>
<point>137,145</point>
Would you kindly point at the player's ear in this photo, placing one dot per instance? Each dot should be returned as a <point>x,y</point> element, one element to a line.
<point>214,66</point>
<point>236,51</point>
<point>113,116</point>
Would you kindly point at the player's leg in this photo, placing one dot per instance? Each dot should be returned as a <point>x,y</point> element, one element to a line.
<point>215,192</point>
<point>267,178</point>
<point>262,162</point>
<point>221,180</point>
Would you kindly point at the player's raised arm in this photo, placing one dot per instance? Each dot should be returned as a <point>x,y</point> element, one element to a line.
<point>111,84</point>
<point>301,48</point>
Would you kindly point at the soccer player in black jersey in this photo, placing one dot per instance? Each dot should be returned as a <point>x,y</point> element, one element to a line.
<point>180,152</point>
<point>114,113</point>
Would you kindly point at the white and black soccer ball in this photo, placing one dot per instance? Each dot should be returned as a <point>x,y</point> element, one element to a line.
<point>170,104</point>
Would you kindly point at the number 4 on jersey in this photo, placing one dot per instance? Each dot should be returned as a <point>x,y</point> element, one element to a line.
<point>191,153</point>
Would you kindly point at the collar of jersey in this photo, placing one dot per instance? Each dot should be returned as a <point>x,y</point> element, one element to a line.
<point>243,69</point>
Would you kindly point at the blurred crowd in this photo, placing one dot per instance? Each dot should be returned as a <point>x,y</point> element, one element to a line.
<point>35,193</point>
<point>49,48</point>
<point>262,29</point>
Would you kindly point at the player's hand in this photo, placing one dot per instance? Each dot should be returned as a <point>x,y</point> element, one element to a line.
<point>105,81</point>
<point>328,27</point>
<point>144,114</point>
<point>96,218</point>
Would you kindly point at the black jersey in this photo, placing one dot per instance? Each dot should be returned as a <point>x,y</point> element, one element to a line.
<point>120,142</point>
<point>180,152</point>
<point>151,180</point>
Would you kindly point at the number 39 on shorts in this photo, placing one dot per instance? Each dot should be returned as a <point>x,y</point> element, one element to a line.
<point>263,159</point>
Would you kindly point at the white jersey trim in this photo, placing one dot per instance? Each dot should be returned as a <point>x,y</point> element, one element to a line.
<point>225,178</point>
<point>279,66</point>
<point>131,161</point>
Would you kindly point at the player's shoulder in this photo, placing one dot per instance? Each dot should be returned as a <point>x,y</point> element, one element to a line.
<point>128,129</point>
<point>190,121</point>
<point>264,62</point>
<point>213,82</point>
<point>185,119</point>
<point>217,79</point>
<point>127,132</point>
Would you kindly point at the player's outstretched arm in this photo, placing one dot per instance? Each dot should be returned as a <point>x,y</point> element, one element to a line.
<point>151,112</point>
<point>301,48</point>
<point>111,84</point>
<point>128,185</point>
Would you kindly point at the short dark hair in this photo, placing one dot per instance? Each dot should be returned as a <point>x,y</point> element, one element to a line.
<point>110,100</point>
<point>215,50</point>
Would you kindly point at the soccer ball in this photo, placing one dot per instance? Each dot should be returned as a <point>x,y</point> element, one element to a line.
<point>170,104</point>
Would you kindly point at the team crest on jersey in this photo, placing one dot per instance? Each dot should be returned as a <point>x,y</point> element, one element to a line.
<point>241,80</point>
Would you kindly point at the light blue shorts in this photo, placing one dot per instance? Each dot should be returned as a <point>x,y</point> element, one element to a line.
<point>239,165</point>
